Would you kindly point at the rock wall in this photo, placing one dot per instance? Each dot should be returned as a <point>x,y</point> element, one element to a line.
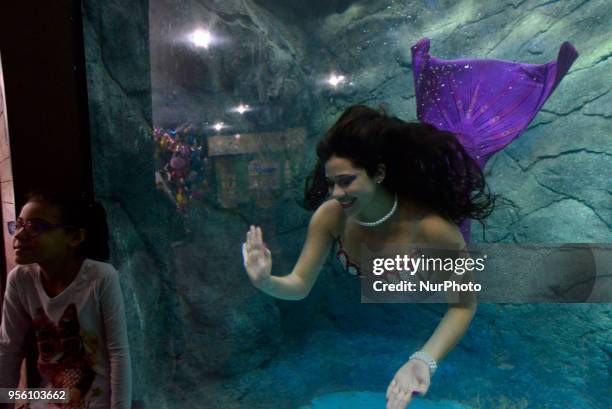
<point>186,325</point>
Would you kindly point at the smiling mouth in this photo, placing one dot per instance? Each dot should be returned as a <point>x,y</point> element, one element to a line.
<point>348,204</point>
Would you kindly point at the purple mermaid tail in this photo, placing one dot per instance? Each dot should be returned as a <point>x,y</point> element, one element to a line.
<point>485,103</point>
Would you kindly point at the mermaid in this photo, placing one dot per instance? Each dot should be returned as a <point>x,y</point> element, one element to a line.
<point>381,180</point>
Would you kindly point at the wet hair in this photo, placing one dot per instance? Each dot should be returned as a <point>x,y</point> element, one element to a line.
<point>80,211</point>
<point>423,164</point>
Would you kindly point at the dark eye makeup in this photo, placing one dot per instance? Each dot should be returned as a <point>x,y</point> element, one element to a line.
<point>346,180</point>
<point>343,181</point>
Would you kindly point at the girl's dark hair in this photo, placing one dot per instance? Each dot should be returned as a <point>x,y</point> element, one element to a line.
<point>80,211</point>
<point>423,164</point>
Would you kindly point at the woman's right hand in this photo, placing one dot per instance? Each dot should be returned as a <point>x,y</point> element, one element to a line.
<point>257,258</point>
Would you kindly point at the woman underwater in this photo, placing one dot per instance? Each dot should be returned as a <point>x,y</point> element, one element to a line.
<point>387,181</point>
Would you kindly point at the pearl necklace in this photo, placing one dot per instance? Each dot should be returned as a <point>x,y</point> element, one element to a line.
<point>380,221</point>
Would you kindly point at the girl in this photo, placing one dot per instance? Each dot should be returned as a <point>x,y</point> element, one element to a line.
<point>387,181</point>
<point>64,292</point>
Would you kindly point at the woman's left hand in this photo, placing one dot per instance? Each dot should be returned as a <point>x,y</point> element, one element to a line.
<point>411,379</point>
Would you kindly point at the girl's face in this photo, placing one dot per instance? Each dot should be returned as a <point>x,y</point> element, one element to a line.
<point>42,242</point>
<point>349,185</point>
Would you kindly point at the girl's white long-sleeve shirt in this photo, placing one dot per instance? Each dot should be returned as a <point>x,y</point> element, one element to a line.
<point>81,335</point>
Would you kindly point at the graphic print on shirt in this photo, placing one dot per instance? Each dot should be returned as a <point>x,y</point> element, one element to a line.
<point>63,357</point>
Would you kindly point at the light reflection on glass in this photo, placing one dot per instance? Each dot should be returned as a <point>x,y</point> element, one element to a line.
<point>335,80</point>
<point>201,38</point>
<point>241,109</point>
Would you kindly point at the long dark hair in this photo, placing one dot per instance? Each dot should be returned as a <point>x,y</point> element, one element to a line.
<point>80,211</point>
<point>423,164</point>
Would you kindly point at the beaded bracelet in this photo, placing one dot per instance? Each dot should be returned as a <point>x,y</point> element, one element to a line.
<point>425,357</point>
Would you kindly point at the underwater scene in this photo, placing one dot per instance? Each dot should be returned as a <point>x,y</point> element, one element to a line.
<point>207,121</point>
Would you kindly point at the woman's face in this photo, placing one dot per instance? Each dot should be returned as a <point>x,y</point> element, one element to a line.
<point>349,185</point>
<point>41,242</point>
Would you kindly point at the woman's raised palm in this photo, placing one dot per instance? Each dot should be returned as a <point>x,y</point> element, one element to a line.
<point>257,258</point>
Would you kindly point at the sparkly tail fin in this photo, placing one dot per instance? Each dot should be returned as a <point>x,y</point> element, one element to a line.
<point>485,103</point>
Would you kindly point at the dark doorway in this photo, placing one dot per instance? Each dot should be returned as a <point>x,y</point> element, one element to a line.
<point>44,117</point>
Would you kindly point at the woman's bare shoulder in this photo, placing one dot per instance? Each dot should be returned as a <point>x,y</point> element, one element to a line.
<point>437,229</point>
<point>331,215</point>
